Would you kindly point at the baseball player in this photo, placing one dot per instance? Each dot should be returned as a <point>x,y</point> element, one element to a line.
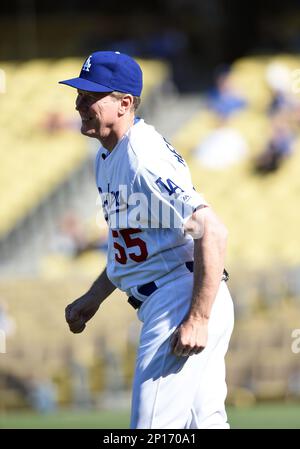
<point>166,251</point>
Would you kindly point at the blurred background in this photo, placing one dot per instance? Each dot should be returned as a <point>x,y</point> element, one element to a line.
<point>222,83</point>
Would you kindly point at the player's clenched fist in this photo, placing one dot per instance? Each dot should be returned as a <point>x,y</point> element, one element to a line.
<point>80,311</point>
<point>189,338</point>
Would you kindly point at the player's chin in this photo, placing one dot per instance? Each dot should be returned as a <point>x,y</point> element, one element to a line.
<point>87,130</point>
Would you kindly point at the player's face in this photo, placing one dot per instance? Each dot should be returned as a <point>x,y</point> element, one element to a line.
<point>98,112</point>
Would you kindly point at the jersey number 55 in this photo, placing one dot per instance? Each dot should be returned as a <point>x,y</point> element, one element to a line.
<point>125,236</point>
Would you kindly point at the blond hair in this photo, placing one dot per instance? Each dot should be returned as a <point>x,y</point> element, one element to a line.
<point>136,100</point>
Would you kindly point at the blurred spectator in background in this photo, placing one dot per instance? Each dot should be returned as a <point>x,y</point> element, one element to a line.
<point>278,77</point>
<point>223,147</point>
<point>225,99</point>
<point>280,144</point>
<point>7,326</point>
<point>7,323</point>
<point>71,237</point>
<point>56,121</point>
<point>42,394</point>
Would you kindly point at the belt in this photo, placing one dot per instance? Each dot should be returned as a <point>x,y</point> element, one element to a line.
<point>151,287</point>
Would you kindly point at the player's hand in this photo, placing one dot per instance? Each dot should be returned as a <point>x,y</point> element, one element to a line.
<point>80,311</point>
<point>190,337</point>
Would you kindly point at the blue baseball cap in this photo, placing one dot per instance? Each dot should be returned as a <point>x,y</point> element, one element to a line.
<point>108,71</point>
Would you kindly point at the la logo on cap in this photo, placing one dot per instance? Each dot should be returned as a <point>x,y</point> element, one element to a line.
<point>87,65</point>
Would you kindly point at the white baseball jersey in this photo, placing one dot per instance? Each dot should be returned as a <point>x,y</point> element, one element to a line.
<point>147,194</point>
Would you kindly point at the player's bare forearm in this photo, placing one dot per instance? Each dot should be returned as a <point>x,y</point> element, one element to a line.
<point>209,257</point>
<point>80,311</point>
<point>210,237</point>
<point>102,287</point>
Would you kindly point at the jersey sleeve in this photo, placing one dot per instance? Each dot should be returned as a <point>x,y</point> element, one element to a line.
<point>168,197</point>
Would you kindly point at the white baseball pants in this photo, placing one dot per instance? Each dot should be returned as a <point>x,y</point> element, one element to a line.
<point>171,392</point>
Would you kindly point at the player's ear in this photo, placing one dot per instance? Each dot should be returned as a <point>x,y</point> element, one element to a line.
<point>126,103</point>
